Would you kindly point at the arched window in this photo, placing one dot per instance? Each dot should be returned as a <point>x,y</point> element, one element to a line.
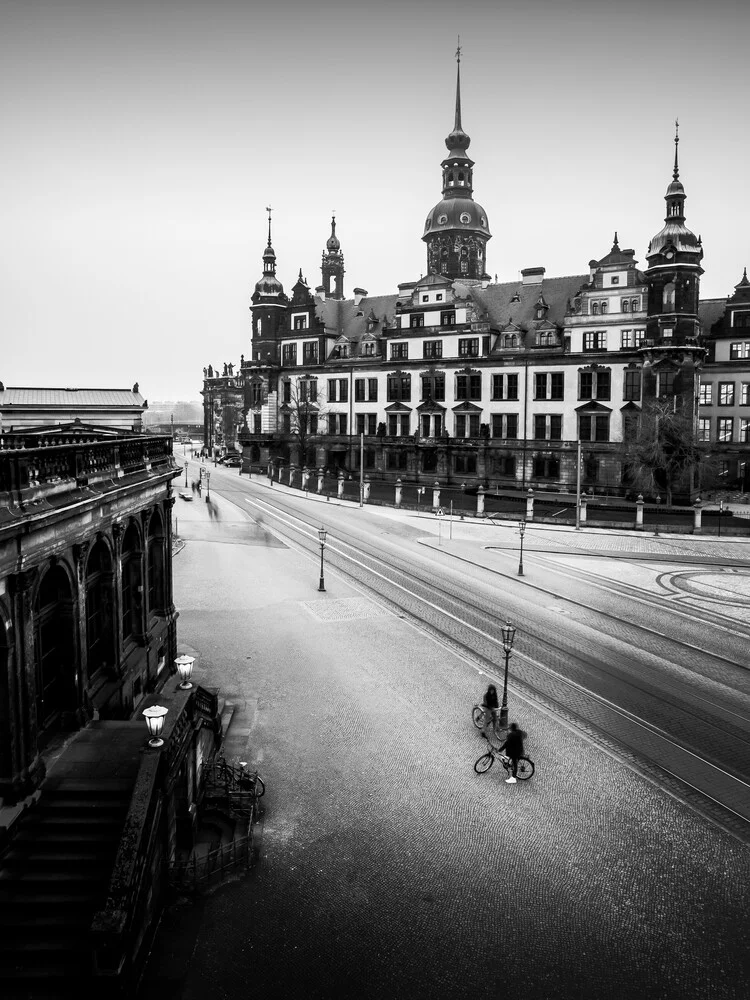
<point>156,582</point>
<point>603,308</point>
<point>55,677</point>
<point>595,308</point>
<point>668,297</point>
<point>132,584</point>
<point>100,640</point>
<point>461,178</point>
<point>635,305</point>
<point>450,179</point>
<point>626,305</point>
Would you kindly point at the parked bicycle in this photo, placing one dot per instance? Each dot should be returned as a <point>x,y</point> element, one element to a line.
<point>237,777</point>
<point>524,770</point>
<point>479,718</point>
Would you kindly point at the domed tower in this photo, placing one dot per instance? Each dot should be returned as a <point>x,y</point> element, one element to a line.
<point>456,230</point>
<point>333,265</point>
<point>673,274</point>
<point>268,308</point>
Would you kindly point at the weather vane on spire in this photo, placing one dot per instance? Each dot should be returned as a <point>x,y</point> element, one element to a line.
<point>676,171</point>
<point>269,210</point>
<point>458,49</point>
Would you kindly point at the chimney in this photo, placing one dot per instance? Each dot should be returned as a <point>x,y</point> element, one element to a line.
<point>359,294</point>
<point>533,275</point>
<point>321,292</point>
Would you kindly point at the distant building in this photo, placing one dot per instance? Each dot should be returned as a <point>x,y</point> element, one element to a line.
<point>463,379</point>
<point>178,416</point>
<point>87,618</point>
<point>22,407</point>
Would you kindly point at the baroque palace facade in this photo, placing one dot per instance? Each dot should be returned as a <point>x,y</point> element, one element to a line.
<point>465,380</point>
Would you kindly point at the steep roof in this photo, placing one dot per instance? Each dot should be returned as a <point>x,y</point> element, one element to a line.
<point>513,302</point>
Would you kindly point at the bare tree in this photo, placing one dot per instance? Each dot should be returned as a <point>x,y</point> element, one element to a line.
<point>301,404</point>
<point>661,452</point>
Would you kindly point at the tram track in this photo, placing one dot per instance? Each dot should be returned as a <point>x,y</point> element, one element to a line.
<point>567,674</point>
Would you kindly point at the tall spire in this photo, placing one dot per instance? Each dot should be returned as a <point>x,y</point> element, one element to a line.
<point>457,125</point>
<point>269,254</point>
<point>269,210</point>
<point>676,171</point>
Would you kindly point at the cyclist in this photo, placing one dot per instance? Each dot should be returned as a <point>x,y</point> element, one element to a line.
<point>490,705</point>
<point>513,747</point>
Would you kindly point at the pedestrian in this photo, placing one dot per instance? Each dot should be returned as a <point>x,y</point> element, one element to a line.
<point>490,705</point>
<point>513,747</point>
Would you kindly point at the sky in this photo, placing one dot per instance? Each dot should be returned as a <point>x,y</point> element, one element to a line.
<point>143,140</point>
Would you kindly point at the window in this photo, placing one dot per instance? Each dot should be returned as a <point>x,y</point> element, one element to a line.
<point>505,465</point>
<point>310,354</point>
<point>337,423</point>
<point>725,428</point>
<point>313,422</point>
<point>546,467</point>
<point>256,394</point>
<point>631,386</point>
<point>300,323</point>
<point>432,425</point>
<point>726,393</point>
<point>398,424</point>
<point>467,425</point>
<point>745,394</point>
<point>706,396</point>
<point>365,389</point>
<point>448,318</point>
<point>625,305</point>
<point>665,383</point>
<point>505,386</point>
<point>667,297</point>
<point>548,427</point>
<point>399,352</point>
<point>704,429</point>
<point>740,350</point>
<point>425,298</point>
<point>286,392</point>
<point>745,430</point>
<point>594,384</point>
<point>632,338</point>
<point>540,386</point>
<point>396,459</point>
<point>286,423</point>
<point>416,321</point>
<point>545,339</point>
<point>505,426</point>
<point>257,423</point>
<point>595,340</point>
<point>509,340</point>
<point>399,388</point>
<point>468,387</point>
<point>593,428</point>
<point>367,423</point>
<point>308,390</point>
<point>666,333</point>
<point>368,349</point>
<point>289,354</point>
<point>615,279</point>
<point>465,462</point>
<point>740,320</point>
<point>635,305</point>
<point>433,386</point>
<point>338,390</point>
<point>549,385</point>
<point>432,349</point>
<point>468,347</point>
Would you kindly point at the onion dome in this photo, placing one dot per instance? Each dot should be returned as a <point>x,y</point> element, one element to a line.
<point>457,213</point>
<point>269,284</point>
<point>675,237</point>
<point>333,245</point>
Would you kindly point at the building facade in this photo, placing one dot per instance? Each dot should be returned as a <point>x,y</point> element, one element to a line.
<point>87,619</point>
<point>465,380</point>
<point>121,409</point>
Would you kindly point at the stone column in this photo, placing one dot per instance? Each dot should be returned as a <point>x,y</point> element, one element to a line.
<point>480,501</point>
<point>697,516</point>
<point>341,485</point>
<point>530,505</point>
<point>436,494</point>
<point>366,494</point>
<point>291,475</point>
<point>582,517</point>
<point>320,480</point>
<point>280,471</point>
<point>398,493</point>
<point>305,478</point>
<point>639,504</point>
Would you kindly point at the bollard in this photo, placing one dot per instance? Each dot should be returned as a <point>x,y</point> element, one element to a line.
<point>530,505</point>
<point>281,469</point>
<point>366,494</point>
<point>639,504</point>
<point>320,480</point>
<point>480,501</point>
<point>697,516</point>
<point>305,478</point>
<point>582,517</point>
<point>436,494</point>
<point>341,485</point>
<point>398,493</point>
<point>291,475</point>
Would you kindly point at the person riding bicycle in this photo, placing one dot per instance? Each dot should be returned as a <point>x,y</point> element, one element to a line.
<point>490,705</point>
<point>513,747</point>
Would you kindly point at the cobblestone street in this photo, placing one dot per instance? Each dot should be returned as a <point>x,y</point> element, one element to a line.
<point>388,868</point>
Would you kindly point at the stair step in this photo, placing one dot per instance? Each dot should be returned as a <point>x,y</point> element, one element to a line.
<point>45,861</point>
<point>90,786</point>
<point>14,949</point>
<point>77,921</point>
<point>53,840</point>
<point>55,803</point>
<point>27,876</point>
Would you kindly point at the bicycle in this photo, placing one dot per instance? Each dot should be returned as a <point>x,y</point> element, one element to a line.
<point>479,718</point>
<point>524,770</point>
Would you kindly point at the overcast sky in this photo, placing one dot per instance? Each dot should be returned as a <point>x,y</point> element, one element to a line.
<point>143,139</point>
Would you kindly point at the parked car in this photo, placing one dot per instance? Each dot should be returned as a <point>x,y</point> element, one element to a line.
<point>186,496</point>
<point>232,461</point>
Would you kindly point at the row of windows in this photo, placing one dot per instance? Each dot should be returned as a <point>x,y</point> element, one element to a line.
<point>547,385</point>
<point>740,350</point>
<point>725,395</point>
<point>544,466</point>
<point>468,347</point>
<point>601,307</point>
<point>724,429</point>
<point>447,318</point>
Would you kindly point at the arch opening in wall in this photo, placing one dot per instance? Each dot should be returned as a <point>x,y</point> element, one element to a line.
<point>156,577</point>
<point>6,756</point>
<point>100,623</point>
<point>54,635</point>
<point>132,584</point>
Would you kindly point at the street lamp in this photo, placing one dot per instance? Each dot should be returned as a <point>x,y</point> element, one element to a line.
<point>208,485</point>
<point>721,511</point>
<point>155,721</point>
<point>186,468</point>
<point>509,634</point>
<point>322,536</point>
<point>184,666</point>
<point>521,528</point>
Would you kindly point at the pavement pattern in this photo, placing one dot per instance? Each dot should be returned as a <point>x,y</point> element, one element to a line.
<point>388,868</point>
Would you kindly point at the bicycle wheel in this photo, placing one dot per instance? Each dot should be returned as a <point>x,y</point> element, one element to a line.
<point>484,763</point>
<point>477,716</point>
<point>260,787</point>
<point>525,768</point>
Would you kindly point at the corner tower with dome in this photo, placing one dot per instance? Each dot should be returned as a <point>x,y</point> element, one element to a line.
<point>456,231</point>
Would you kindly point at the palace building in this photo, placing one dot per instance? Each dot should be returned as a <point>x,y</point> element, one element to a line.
<point>465,380</point>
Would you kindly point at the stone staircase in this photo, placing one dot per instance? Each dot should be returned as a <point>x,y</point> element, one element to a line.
<point>54,877</point>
